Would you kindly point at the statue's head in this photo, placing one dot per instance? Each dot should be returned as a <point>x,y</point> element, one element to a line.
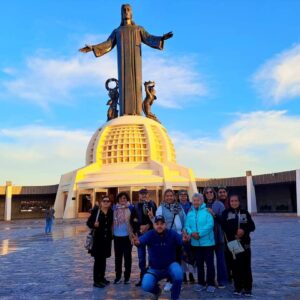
<point>126,13</point>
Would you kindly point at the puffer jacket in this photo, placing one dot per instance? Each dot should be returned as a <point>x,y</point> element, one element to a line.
<point>201,221</point>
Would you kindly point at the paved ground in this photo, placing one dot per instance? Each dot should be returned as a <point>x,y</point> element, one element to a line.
<point>35,266</point>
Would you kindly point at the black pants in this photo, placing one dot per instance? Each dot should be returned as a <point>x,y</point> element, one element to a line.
<point>242,274</point>
<point>123,248</point>
<point>99,268</point>
<point>205,254</point>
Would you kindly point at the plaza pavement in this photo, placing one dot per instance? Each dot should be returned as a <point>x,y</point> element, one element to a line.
<point>36,266</point>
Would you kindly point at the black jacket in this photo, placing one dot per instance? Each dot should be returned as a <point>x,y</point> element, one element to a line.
<point>229,223</point>
<point>102,234</point>
<point>140,217</point>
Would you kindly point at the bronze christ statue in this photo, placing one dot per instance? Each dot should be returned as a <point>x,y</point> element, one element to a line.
<point>128,38</point>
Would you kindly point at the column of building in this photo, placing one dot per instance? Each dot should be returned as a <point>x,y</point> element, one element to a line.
<point>8,201</point>
<point>251,196</point>
<point>298,191</point>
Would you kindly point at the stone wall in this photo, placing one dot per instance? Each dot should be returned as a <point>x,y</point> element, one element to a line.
<point>31,206</point>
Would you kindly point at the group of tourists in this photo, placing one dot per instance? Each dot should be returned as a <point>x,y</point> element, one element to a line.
<point>180,236</point>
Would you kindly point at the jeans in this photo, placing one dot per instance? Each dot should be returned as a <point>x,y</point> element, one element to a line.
<point>221,264</point>
<point>142,259</point>
<point>48,226</point>
<point>123,248</point>
<point>229,264</point>
<point>153,276</point>
<point>205,254</point>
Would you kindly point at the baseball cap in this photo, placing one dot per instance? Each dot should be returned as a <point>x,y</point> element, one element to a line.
<point>159,218</point>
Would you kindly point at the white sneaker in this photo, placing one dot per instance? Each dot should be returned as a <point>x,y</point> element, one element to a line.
<point>199,287</point>
<point>167,287</point>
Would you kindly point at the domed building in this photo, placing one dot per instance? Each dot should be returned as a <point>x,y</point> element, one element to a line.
<point>126,154</point>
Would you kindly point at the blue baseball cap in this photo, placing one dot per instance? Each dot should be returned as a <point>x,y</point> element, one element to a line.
<point>159,218</point>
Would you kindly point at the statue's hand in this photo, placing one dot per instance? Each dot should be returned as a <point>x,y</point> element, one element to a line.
<point>167,35</point>
<point>86,49</point>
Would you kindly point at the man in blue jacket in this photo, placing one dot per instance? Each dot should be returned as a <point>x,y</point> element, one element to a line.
<point>162,244</point>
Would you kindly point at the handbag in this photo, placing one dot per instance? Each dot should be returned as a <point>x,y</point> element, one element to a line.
<point>89,241</point>
<point>235,246</point>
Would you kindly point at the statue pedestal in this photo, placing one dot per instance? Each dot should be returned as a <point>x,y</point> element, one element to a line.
<point>128,153</point>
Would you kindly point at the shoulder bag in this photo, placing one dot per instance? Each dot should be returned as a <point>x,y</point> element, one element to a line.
<point>235,246</point>
<point>89,241</point>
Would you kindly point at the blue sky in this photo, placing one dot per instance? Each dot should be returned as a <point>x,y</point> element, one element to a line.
<point>228,83</point>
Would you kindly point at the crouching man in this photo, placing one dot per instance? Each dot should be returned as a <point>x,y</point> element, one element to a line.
<point>162,244</point>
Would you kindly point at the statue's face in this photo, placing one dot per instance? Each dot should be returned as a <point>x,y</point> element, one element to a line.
<point>126,12</point>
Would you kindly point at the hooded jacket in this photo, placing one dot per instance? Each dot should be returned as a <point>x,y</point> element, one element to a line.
<point>201,221</point>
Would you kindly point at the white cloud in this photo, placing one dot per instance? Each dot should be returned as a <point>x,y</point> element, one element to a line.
<point>176,80</point>
<point>9,71</point>
<point>36,155</point>
<point>279,78</point>
<point>45,80</point>
<point>263,141</point>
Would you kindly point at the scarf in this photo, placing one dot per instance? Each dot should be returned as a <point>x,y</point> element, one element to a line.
<point>175,207</point>
<point>121,214</point>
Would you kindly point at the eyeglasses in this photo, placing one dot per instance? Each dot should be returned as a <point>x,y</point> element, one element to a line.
<point>105,201</point>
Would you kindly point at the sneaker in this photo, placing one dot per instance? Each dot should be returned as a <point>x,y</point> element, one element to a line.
<point>167,287</point>
<point>210,289</point>
<point>117,281</point>
<point>199,287</point>
<point>221,286</point>
<point>156,296</point>
<point>237,293</point>
<point>191,278</point>
<point>127,281</point>
<point>106,281</point>
<point>100,285</point>
<point>247,294</point>
<point>184,278</point>
<point>139,283</point>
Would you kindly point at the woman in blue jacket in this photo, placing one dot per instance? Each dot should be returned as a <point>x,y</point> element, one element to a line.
<point>199,225</point>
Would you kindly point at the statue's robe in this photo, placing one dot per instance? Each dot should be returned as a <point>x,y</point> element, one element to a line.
<point>128,39</point>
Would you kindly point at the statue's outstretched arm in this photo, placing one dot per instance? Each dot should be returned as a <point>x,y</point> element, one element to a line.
<point>102,48</point>
<point>153,41</point>
<point>86,49</point>
<point>167,35</point>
